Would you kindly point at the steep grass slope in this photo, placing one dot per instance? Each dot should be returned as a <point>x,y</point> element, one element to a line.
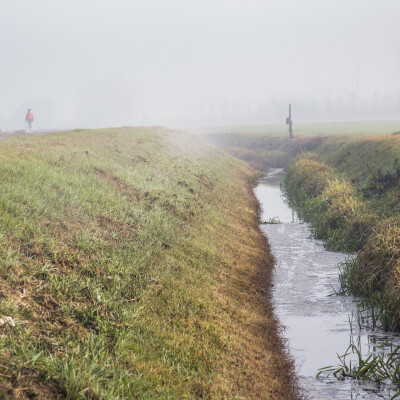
<point>132,266</point>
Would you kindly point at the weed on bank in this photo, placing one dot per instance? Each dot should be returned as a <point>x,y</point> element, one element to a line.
<point>335,211</point>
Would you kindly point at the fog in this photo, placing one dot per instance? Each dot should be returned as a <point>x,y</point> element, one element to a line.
<point>98,63</point>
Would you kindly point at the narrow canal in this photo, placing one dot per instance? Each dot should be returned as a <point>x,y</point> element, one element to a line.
<point>316,321</point>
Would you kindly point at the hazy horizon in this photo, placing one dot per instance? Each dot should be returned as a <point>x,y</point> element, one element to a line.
<point>182,62</point>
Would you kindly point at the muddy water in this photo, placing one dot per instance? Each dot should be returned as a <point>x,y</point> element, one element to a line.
<point>316,322</point>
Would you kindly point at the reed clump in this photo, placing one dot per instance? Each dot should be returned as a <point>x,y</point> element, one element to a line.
<point>375,273</point>
<point>378,367</point>
<point>331,205</point>
<point>344,221</point>
<point>307,177</point>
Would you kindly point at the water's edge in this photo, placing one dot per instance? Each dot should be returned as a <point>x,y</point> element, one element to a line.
<point>317,322</point>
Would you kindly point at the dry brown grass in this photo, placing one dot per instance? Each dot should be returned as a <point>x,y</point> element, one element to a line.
<point>262,371</point>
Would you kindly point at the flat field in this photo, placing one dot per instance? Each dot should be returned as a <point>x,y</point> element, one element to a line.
<point>132,266</point>
<point>306,128</point>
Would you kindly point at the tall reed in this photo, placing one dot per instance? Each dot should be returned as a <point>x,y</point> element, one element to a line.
<point>331,205</point>
<point>375,273</point>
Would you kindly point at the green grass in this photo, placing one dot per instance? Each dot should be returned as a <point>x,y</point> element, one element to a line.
<point>273,148</point>
<point>375,275</point>
<point>126,258</point>
<point>337,214</point>
<point>305,128</point>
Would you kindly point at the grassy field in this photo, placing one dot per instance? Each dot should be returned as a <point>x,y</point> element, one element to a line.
<point>305,128</point>
<point>132,266</point>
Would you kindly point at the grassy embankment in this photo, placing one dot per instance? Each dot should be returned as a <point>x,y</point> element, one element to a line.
<point>348,187</point>
<point>266,145</point>
<point>132,266</point>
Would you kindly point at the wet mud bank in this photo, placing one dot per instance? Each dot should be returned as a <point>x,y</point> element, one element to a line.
<point>319,324</point>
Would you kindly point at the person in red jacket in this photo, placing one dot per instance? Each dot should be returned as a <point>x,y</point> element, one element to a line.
<point>29,119</point>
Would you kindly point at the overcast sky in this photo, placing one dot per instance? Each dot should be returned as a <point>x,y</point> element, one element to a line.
<point>118,62</point>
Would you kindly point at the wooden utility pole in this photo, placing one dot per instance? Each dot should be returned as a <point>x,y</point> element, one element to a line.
<point>290,122</point>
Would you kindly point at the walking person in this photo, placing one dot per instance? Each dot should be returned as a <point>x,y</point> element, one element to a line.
<point>29,119</point>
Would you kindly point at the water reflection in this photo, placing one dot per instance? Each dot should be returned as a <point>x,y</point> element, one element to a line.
<point>318,325</point>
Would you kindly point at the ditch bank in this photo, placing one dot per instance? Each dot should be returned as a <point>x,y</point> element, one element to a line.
<point>132,266</point>
<point>320,325</point>
<point>348,188</point>
<point>352,219</point>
